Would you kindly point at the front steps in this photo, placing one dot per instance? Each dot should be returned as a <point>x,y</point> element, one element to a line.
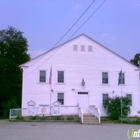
<point>90,119</point>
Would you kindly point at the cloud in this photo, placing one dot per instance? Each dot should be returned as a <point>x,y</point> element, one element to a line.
<point>77,7</point>
<point>107,36</point>
<point>35,53</point>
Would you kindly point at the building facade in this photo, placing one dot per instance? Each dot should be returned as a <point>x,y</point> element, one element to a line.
<point>80,72</point>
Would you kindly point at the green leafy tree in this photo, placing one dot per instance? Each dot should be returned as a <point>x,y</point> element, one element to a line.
<point>13,52</point>
<point>136,59</point>
<point>113,107</point>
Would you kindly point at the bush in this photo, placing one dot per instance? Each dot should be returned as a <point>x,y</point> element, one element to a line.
<point>113,107</point>
<point>12,103</point>
<point>19,117</point>
<point>33,117</point>
<point>71,117</point>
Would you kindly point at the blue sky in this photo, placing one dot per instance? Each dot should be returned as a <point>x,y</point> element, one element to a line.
<point>115,25</point>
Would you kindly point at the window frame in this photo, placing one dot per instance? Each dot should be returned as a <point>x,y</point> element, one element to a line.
<point>103,101</point>
<point>83,48</point>
<point>90,48</point>
<point>75,47</point>
<point>61,99</point>
<point>105,78</point>
<point>104,84</point>
<point>40,76</point>
<point>131,103</point>
<point>60,83</point>
<point>60,78</point>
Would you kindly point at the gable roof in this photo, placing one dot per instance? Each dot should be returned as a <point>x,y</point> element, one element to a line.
<point>22,65</point>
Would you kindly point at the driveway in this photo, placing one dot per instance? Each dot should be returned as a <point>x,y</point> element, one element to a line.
<point>63,131</point>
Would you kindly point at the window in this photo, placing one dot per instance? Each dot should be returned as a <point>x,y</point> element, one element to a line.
<point>82,92</point>
<point>90,48</point>
<point>82,47</point>
<point>60,98</point>
<point>104,77</point>
<point>105,97</point>
<point>129,96</point>
<point>60,77</point>
<point>75,48</point>
<point>121,78</point>
<point>42,77</point>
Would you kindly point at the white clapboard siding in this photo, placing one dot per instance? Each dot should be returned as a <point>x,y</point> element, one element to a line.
<point>78,65</point>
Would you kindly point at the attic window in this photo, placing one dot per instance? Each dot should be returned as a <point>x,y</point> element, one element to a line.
<point>83,48</point>
<point>75,48</point>
<point>90,48</point>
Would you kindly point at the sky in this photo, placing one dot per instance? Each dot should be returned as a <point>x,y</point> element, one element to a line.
<point>116,25</point>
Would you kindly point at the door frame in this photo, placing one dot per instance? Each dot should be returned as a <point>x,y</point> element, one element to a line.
<point>86,94</point>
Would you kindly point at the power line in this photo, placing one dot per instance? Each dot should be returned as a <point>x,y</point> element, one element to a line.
<point>72,34</point>
<point>87,20</point>
<point>73,24</point>
<point>64,35</point>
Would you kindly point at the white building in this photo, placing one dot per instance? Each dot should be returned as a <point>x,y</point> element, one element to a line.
<point>84,74</point>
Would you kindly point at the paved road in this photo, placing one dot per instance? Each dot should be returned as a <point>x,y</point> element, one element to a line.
<point>63,131</point>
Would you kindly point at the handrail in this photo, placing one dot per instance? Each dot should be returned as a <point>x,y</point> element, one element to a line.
<point>99,118</point>
<point>95,111</point>
<point>80,113</point>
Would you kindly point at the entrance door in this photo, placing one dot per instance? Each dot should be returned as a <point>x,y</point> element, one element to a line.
<point>83,101</point>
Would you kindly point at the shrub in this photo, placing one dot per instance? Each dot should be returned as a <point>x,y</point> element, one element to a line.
<point>19,117</point>
<point>71,117</point>
<point>33,117</point>
<point>113,107</point>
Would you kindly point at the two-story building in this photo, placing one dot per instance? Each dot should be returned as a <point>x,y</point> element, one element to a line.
<point>78,73</point>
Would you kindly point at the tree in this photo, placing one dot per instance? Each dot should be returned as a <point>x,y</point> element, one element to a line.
<point>113,107</point>
<point>136,59</point>
<point>13,52</point>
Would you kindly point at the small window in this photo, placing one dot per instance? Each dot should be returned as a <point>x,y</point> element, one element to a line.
<point>104,77</point>
<point>121,78</point>
<point>82,47</point>
<point>82,92</point>
<point>60,78</point>
<point>90,48</point>
<point>60,98</point>
<point>75,48</point>
<point>42,77</point>
<point>105,98</point>
<point>129,96</point>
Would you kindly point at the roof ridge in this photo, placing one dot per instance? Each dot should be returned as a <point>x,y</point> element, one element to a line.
<point>75,38</point>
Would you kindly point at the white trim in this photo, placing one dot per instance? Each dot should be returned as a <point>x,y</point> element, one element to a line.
<point>102,97</point>
<point>64,97</point>
<point>83,94</point>
<point>39,76</point>
<point>90,49</point>
<point>104,84</point>
<point>56,77</point>
<point>87,37</point>
<point>83,48</point>
<point>75,48</point>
